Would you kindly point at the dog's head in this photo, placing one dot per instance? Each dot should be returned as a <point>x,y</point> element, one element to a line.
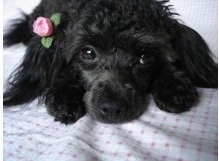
<point>117,54</point>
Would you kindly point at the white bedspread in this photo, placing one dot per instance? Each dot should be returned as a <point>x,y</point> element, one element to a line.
<point>30,134</point>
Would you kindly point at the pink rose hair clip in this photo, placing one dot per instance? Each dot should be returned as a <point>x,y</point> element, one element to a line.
<point>45,27</point>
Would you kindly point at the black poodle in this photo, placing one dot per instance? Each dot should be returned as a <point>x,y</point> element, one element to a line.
<point>103,56</point>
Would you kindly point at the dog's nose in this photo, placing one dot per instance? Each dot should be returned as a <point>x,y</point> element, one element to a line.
<point>113,108</point>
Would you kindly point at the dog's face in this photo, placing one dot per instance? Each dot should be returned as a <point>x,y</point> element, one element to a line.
<point>117,63</point>
<point>115,82</point>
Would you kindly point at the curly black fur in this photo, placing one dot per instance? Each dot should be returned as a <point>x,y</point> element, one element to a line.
<point>106,56</point>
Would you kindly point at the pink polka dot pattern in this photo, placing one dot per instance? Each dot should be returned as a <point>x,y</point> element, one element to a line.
<point>27,138</point>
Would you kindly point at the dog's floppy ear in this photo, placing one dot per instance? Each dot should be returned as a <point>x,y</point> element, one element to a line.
<point>195,57</point>
<point>40,66</point>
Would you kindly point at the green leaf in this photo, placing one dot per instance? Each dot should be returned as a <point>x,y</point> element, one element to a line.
<point>47,41</point>
<point>56,19</point>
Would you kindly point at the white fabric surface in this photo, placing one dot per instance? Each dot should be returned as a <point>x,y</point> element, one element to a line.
<point>30,134</point>
<point>201,15</point>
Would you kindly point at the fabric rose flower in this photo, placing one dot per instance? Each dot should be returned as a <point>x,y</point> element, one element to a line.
<point>43,27</point>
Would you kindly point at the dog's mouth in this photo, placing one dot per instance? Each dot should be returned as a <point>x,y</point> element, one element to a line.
<point>107,106</point>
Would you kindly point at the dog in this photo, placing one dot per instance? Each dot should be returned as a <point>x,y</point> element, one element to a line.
<point>105,56</point>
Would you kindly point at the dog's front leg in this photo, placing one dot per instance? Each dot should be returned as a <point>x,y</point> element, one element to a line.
<point>64,101</point>
<point>173,91</point>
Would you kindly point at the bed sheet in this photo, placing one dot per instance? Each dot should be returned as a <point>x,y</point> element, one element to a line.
<point>30,134</point>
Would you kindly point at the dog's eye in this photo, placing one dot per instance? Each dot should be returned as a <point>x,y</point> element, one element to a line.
<point>87,53</point>
<point>146,58</point>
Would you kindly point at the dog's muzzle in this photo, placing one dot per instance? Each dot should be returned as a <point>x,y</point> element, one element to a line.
<point>113,102</point>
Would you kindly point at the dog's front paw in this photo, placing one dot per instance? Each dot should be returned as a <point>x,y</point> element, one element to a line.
<point>64,109</point>
<point>176,95</point>
<point>66,114</point>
